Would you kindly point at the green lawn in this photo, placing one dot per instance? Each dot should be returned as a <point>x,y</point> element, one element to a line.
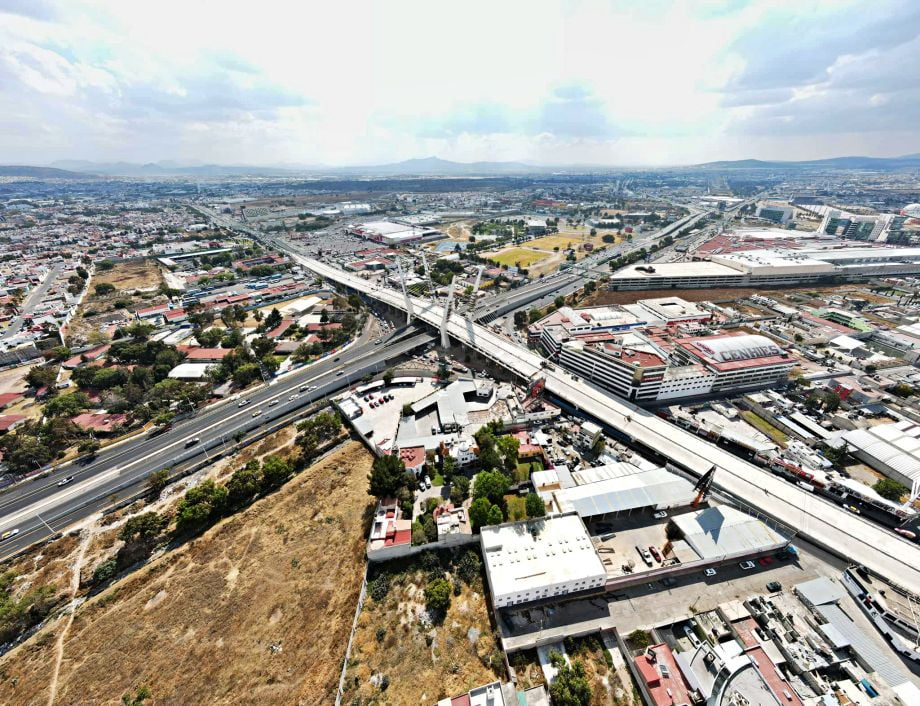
<point>525,468</point>
<point>776,436</point>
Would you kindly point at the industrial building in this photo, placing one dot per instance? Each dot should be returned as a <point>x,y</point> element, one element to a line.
<point>532,560</point>
<point>391,233</point>
<point>763,268</point>
<point>651,368</point>
<point>893,449</point>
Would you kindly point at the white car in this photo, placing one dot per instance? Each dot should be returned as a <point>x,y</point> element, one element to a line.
<point>9,533</point>
<point>257,413</point>
<point>660,515</point>
<point>746,565</point>
<point>710,572</point>
<point>243,403</point>
<point>65,481</point>
<point>273,403</point>
<point>293,397</point>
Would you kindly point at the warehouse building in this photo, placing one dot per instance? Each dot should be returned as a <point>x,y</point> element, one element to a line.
<point>532,560</point>
<point>770,268</point>
<point>893,449</point>
<point>391,233</point>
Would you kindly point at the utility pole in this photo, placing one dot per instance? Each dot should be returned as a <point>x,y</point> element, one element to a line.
<point>402,281</point>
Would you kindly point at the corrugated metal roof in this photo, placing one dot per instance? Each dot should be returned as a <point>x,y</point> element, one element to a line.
<point>655,488</point>
<point>722,530</point>
<point>891,672</point>
<point>820,591</point>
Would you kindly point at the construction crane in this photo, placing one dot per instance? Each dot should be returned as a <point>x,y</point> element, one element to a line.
<point>702,487</point>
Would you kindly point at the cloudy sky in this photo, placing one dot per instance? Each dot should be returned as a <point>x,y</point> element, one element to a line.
<point>621,82</point>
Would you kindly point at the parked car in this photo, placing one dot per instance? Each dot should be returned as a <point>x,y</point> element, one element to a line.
<point>710,572</point>
<point>765,560</point>
<point>646,557</point>
<point>669,581</point>
<point>427,482</point>
<point>746,565</point>
<point>660,515</point>
<point>774,587</point>
<point>655,553</point>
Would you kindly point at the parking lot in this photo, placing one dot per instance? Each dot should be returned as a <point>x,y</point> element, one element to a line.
<point>650,604</point>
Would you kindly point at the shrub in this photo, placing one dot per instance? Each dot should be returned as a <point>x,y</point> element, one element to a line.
<point>437,596</point>
<point>379,587</point>
<point>105,571</point>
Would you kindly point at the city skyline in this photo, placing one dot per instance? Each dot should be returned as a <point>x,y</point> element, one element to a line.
<point>576,84</point>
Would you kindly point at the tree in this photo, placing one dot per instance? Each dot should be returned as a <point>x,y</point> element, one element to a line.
<point>590,286</point>
<point>262,346</point>
<point>140,696</point>
<point>388,378</point>
<point>507,446</point>
<point>105,265</point>
<point>143,527</point>
<point>570,687</point>
<point>387,476</point>
<point>890,489</point>
<point>105,571</point>
<point>209,338</point>
<point>276,471</point>
<point>437,596</point>
<point>491,485</point>
<point>103,288</point>
<point>496,515</point>
<point>459,490</point>
<point>245,484</point>
<point>157,480</point>
<point>67,405</point>
<point>559,301</point>
<point>273,320</point>
<point>42,376</point>
<point>534,505</point>
<point>201,505</point>
<point>480,510</point>
<point>448,467</point>
<point>534,315</point>
<point>871,369</point>
<point>520,319</point>
<point>89,446</point>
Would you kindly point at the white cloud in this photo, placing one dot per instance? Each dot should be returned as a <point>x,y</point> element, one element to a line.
<point>361,81</point>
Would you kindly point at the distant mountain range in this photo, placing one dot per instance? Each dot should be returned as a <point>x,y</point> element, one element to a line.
<point>41,172</point>
<point>426,167</point>
<point>430,166</point>
<point>909,161</point>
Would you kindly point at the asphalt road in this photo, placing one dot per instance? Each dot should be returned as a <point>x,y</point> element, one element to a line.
<point>34,298</point>
<point>41,508</point>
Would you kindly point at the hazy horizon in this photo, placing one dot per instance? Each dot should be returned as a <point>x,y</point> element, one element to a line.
<point>618,84</point>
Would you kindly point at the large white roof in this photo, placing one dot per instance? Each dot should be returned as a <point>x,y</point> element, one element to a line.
<point>725,349</point>
<point>724,531</point>
<point>524,556</point>
<point>896,445</point>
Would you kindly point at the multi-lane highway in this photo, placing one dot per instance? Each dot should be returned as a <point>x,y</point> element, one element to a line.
<point>41,507</point>
<point>821,521</point>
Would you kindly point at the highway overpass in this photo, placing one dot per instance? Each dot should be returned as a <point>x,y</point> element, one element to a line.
<point>821,521</point>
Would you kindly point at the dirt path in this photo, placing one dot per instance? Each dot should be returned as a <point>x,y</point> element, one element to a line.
<point>85,540</point>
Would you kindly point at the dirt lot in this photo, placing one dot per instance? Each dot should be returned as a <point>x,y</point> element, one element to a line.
<point>136,285</point>
<point>725,294</point>
<point>422,662</point>
<point>256,610</point>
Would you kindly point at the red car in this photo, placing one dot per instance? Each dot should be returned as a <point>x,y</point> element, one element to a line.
<point>655,553</point>
<point>765,560</point>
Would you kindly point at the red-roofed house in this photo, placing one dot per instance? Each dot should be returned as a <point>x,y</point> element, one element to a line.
<point>413,457</point>
<point>175,316</point>
<point>11,421</point>
<point>99,423</point>
<point>8,398</point>
<point>280,329</point>
<point>151,312</point>
<point>388,529</point>
<point>662,677</point>
<point>86,356</point>
<point>198,354</point>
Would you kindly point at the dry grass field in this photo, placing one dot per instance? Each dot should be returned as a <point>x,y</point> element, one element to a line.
<point>257,610</point>
<point>421,662</point>
<point>520,257</point>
